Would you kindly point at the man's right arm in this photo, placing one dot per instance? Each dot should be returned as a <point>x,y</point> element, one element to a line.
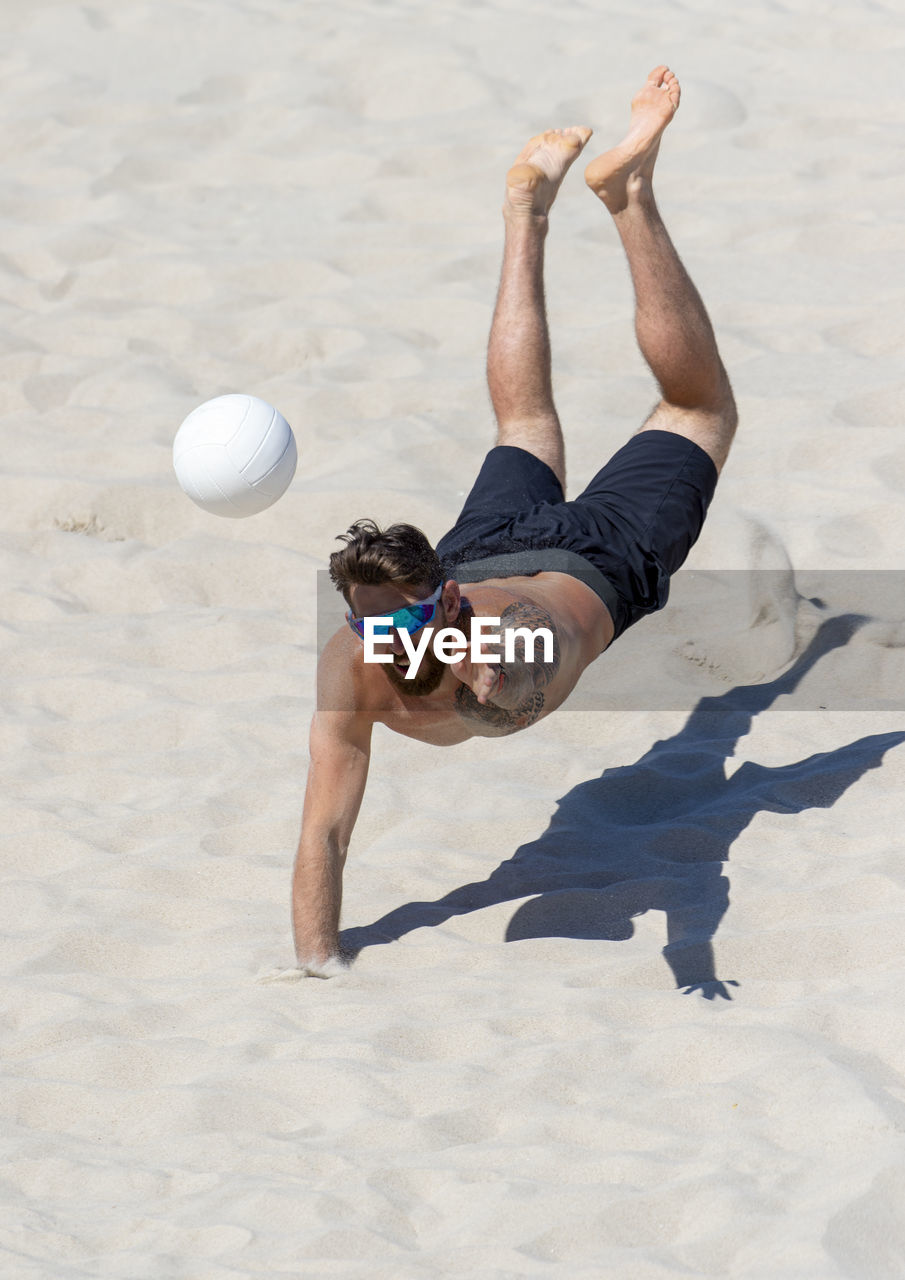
<point>340,750</point>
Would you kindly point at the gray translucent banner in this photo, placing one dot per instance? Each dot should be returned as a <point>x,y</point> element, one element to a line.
<point>808,639</point>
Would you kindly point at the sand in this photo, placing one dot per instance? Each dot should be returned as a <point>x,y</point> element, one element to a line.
<point>301,201</point>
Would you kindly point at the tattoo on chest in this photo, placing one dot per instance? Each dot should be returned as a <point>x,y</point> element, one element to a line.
<point>495,722</point>
<point>522,618</point>
<point>528,671</point>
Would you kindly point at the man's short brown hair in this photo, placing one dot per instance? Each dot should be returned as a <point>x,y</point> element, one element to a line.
<point>400,554</point>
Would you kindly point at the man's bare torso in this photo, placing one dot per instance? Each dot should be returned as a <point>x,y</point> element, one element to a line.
<point>582,629</point>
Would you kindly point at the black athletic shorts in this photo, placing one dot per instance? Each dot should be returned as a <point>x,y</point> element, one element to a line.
<point>629,530</point>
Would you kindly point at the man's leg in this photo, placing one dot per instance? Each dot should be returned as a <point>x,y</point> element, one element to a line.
<point>518,354</point>
<point>673,329</point>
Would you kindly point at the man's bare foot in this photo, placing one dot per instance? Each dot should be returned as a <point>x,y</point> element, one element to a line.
<point>533,181</point>
<point>624,170</point>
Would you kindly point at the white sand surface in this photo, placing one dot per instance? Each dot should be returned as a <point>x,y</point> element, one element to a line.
<point>301,201</point>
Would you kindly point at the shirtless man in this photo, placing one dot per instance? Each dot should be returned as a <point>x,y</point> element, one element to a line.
<point>584,569</point>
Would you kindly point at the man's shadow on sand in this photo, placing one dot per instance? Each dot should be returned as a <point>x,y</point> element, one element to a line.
<point>654,835</point>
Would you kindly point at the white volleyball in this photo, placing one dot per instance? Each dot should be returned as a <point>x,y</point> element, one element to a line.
<point>235,455</point>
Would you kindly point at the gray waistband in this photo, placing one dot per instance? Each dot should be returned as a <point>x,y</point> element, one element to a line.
<point>517,564</point>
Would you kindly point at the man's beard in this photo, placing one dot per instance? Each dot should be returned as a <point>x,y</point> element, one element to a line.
<point>431,671</point>
<point>429,677</point>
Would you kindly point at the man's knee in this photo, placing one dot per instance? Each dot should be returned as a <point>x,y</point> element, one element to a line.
<point>712,429</point>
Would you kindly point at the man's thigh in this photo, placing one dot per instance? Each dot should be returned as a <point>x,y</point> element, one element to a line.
<point>710,430</point>
<point>654,494</point>
<point>511,482</point>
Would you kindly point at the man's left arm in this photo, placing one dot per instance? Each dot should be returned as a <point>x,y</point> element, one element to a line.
<point>509,694</point>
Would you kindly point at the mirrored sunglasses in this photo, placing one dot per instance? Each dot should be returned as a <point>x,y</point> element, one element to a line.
<point>411,618</point>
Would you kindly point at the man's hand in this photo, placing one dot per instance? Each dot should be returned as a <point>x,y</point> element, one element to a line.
<point>511,683</point>
<point>492,682</point>
<point>330,968</point>
<point>484,679</point>
<point>499,684</point>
